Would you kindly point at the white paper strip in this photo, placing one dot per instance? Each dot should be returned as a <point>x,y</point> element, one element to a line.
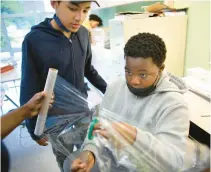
<point>49,86</point>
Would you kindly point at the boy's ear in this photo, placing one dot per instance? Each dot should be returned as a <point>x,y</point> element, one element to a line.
<point>162,67</point>
<point>54,4</point>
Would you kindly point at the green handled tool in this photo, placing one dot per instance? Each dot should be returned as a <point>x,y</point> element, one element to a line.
<point>91,128</point>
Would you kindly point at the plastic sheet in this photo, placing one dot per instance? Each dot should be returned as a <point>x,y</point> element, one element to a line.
<point>68,124</point>
<point>197,157</point>
<point>69,118</point>
<point>118,151</point>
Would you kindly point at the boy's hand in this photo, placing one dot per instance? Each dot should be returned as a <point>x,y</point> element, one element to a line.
<point>128,132</point>
<point>78,166</point>
<point>84,163</point>
<point>42,142</point>
<point>32,107</point>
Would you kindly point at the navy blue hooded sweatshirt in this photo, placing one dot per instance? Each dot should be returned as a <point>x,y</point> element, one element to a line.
<point>45,47</point>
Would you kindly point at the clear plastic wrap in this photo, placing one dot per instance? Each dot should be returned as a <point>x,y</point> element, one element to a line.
<point>119,147</point>
<point>197,157</point>
<point>73,118</point>
<point>69,118</point>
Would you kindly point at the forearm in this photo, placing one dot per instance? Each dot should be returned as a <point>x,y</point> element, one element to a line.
<point>159,156</point>
<point>90,145</point>
<point>11,120</point>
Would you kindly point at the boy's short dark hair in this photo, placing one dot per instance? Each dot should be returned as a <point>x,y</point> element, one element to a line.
<point>78,2</point>
<point>146,45</point>
<point>94,17</point>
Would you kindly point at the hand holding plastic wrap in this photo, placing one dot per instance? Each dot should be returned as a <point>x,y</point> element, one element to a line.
<point>111,131</point>
<point>69,118</point>
<point>114,143</point>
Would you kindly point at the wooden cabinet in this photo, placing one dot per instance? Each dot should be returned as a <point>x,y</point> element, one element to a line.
<point>171,29</point>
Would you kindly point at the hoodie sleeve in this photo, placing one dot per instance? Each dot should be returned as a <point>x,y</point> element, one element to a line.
<point>29,82</point>
<point>90,145</point>
<point>94,146</point>
<point>165,149</point>
<point>91,73</point>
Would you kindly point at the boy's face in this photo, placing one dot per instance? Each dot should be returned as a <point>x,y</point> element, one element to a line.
<point>71,15</point>
<point>94,24</point>
<point>141,72</point>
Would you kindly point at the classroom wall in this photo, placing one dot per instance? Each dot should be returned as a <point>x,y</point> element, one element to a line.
<point>198,33</point>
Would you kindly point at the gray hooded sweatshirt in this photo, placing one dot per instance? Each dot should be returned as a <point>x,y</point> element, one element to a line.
<point>162,124</point>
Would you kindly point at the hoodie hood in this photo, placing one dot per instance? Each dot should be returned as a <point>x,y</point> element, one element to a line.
<point>170,83</point>
<point>46,27</point>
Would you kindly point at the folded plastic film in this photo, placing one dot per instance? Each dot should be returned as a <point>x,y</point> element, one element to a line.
<point>197,157</point>
<point>115,147</point>
<point>68,120</point>
<point>68,124</point>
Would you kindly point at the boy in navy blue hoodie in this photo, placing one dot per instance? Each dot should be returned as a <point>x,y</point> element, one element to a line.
<point>60,43</point>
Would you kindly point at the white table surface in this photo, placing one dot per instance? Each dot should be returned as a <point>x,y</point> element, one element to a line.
<point>197,107</point>
<point>12,75</point>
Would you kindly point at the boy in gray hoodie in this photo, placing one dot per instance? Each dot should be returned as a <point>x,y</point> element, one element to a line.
<point>153,113</point>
